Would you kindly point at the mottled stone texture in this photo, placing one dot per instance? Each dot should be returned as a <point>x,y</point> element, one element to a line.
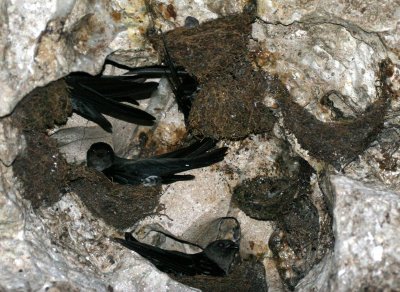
<point>44,40</point>
<point>367,247</point>
<point>373,15</point>
<point>327,55</point>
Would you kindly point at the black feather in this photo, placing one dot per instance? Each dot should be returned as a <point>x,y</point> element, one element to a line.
<point>162,168</point>
<point>88,102</point>
<point>194,149</point>
<point>215,260</point>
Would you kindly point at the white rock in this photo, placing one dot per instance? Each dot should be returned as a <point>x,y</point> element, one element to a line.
<point>191,204</point>
<point>311,58</point>
<point>367,247</point>
<point>377,16</point>
<point>48,39</point>
<point>11,142</point>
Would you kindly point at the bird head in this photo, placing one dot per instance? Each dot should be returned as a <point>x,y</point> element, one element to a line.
<point>222,252</point>
<point>100,156</point>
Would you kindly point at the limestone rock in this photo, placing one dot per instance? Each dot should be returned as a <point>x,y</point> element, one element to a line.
<point>366,220</point>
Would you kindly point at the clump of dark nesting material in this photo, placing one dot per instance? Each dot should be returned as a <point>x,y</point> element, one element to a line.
<point>335,142</point>
<point>295,242</point>
<point>118,205</point>
<point>246,276</point>
<point>46,175</point>
<point>298,242</point>
<point>43,108</point>
<point>229,103</point>
<point>42,170</point>
<point>267,198</point>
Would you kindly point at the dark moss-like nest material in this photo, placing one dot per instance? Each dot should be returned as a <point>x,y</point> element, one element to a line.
<point>335,142</point>
<point>46,175</point>
<point>42,170</point>
<point>294,243</point>
<point>266,198</point>
<point>229,103</point>
<point>118,205</point>
<point>246,276</point>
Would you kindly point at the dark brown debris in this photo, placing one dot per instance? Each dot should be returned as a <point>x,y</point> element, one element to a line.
<point>229,103</point>
<point>246,276</point>
<point>337,143</point>
<point>118,205</point>
<point>43,108</point>
<point>42,170</point>
<point>295,242</point>
<point>46,175</point>
<point>266,198</point>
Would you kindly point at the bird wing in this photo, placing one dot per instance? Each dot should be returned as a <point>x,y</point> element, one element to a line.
<point>120,88</point>
<point>135,171</point>
<point>206,266</point>
<point>85,95</point>
<point>88,111</point>
<point>167,261</point>
<point>196,148</point>
<point>153,71</point>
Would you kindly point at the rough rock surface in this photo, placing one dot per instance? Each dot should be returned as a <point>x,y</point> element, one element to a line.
<point>44,40</point>
<point>38,252</point>
<point>376,16</point>
<point>314,48</point>
<point>366,252</point>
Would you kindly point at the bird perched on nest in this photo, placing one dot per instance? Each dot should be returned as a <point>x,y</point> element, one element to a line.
<point>215,260</point>
<point>157,169</point>
<point>183,84</point>
<point>93,96</point>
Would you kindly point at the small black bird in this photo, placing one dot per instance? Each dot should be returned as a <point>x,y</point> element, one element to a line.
<point>215,260</point>
<point>157,169</point>
<point>93,96</point>
<point>183,84</point>
<point>152,71</point>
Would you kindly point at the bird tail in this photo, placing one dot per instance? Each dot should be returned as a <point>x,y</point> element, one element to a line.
<point>192,150</point>
<point>174,178</point>
<point>154,71</point>
<point>117,110</point>
<point>119,88</point>
<point>177,165</point>
<point>208,158</point>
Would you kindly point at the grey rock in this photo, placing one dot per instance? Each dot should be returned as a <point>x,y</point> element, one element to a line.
<point>378,16</point>
<point>11,142</point>
<point>367,247</point>
<point>45,40</point>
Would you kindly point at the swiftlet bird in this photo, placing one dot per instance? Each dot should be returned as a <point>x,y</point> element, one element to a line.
<point>183,84</point>
<point>215,260</point>
<point>184,87</point>
<point>93,96</point>
<point>157,169</point>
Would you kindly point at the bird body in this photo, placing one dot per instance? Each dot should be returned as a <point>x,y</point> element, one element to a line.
<point>215,260</point>
<point>159,169</point>
<point>183,84</point>
<point>118,88</point>
<point>93,96</point>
